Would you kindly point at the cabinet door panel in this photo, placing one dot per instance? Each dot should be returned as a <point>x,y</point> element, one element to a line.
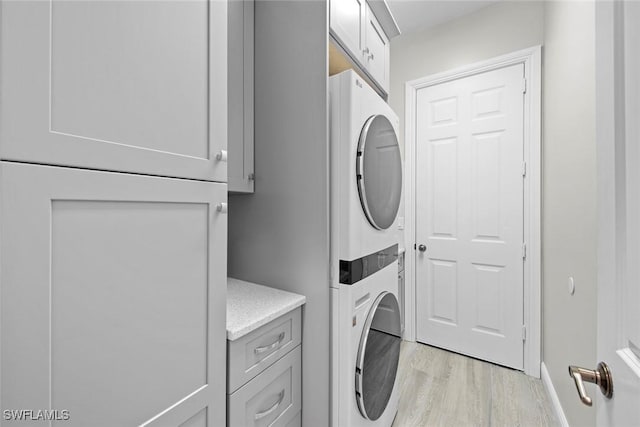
<point>346,24</point>
<point>132,86</point>
<point>113,297</point>
<point>377,59</point>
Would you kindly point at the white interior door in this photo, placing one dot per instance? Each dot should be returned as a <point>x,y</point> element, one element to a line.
<point>618,109</point>
<point>469,215</point>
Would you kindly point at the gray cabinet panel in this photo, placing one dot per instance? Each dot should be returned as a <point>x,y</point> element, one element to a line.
<point>131,86</point>
<point>295,421</point>
<point>241,87</point>
<point>112,294</point>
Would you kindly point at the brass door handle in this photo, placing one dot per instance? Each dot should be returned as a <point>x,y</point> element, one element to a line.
<point>601,377</point>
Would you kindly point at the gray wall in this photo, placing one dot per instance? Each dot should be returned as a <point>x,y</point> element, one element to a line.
<point>566,29</point>
<point>495,30</point>
<point>569,212</point>
<point>279,236</point>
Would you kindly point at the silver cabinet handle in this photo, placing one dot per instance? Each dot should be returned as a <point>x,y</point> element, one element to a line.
<point>601,377</point>
<point>366,50</point>
<point>222,208</point>
<point>276,343</point>
<point>371,57</point>
<point>422,248</point>
<point>266,412</point>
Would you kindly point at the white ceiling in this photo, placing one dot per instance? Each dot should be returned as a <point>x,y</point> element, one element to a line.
<point>417,15</point>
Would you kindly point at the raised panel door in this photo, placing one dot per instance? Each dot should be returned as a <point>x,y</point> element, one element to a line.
<point>470,215</point>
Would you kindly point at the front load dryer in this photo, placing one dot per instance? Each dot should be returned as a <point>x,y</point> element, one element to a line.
<point>366,169</point>
<point>366,341</point>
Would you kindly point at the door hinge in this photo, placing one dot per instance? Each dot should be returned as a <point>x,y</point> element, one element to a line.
<point>524,85</point>
<point>524,169</point>
<point>524,333</point>
<point>524,251</point>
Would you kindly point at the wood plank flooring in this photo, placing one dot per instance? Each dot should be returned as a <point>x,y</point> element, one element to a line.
<point>439,388</point>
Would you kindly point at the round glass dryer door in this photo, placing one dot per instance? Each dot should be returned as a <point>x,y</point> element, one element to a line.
<point>379,172</point>
<point>378,356</point>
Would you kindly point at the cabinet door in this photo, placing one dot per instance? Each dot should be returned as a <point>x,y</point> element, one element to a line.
<point>346,23</point>
<point>113,297</point>
<point>132,86</point>
<point>376,56</point>
<point>241,25</point>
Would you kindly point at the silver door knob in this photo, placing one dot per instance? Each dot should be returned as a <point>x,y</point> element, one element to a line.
<point>601,377</point>
<point>422,248</point>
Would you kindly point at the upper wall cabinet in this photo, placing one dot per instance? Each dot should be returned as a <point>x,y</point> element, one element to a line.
<point>356,28</point>
<point>241,25</point>
<point>116,85</point>
<point>347,18</point>
<point>376,52</point>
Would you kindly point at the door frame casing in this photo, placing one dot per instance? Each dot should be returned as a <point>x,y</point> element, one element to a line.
<point>531,58</point>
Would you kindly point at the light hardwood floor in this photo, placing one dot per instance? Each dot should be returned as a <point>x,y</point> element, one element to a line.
<point>439,388</point>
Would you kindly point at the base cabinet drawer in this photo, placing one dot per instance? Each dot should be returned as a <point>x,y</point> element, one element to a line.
<point>273,398</point>
<point>253,353</point>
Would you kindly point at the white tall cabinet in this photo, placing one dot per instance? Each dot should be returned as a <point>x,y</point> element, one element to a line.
<point>113,225</point>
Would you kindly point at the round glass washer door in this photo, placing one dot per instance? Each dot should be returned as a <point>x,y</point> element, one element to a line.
<point>379,172</point>
<point>378,356</point>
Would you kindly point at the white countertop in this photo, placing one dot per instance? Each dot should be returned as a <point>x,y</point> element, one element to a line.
<point>250,306</point>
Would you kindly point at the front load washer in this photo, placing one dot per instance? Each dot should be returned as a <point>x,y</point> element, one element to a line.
<point>366,341</point>
<point>366,187</point>
<point>366,170</point>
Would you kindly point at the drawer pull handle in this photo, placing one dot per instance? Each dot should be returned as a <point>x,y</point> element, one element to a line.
<point>266,412</point>
<point>260,350</point>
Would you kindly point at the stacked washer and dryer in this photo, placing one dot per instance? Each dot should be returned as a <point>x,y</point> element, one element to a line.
<point>366,187</point>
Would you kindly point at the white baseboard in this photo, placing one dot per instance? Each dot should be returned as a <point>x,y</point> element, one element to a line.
<point>555,401</point>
